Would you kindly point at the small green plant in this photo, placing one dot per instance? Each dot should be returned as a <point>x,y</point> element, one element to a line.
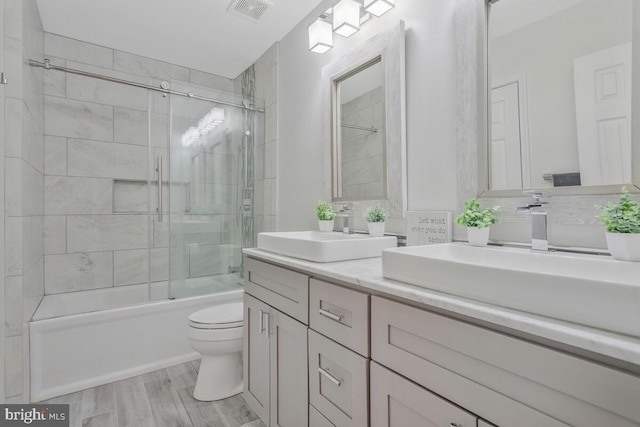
<point>376,214</point>
<point>324,211</point>
<point>621,217</point>
<point>474,216</point>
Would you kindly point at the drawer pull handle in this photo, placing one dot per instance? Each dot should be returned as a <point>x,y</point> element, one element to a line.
<point>455,425</point>
<point>330,315</point>
<point>330,377</point>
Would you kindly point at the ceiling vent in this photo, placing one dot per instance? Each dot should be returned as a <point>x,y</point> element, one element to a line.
<point>252,9</point>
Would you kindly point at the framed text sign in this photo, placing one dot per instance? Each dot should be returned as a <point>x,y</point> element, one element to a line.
<point>428,227</point>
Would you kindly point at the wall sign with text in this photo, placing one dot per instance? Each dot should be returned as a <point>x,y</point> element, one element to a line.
<point>428,227</point>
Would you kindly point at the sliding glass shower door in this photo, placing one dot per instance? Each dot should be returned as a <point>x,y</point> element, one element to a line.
<point>210,200</point>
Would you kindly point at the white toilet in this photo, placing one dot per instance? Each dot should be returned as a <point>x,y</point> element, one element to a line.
<point>216,333</point>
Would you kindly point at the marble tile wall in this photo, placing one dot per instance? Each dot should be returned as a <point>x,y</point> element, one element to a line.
<point>266,159</point>
<point>97,162</point>
<point>362,151</point>
<point>23,154</point>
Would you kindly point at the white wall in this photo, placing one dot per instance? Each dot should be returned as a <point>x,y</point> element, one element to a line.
<point>304,168</point>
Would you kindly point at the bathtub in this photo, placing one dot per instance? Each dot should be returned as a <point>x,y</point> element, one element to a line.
<point>72,351</point>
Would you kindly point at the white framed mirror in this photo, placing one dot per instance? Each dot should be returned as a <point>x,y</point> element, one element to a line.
<point>364,93</point>
<point>559,98</point>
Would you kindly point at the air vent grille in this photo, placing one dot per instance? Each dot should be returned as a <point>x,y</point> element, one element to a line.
<point>253,9</point>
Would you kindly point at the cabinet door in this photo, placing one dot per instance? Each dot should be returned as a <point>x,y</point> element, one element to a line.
<point>289,384</point>
<point>397,402</point>
<point>256,356</point>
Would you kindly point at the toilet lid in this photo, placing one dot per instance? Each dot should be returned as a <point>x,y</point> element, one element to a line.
<point>218,317</point>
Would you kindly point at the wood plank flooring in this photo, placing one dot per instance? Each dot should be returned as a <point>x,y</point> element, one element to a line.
<point>161,398</point>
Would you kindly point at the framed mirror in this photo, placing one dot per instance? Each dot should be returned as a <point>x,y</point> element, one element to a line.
<point>560,97</point>
<point>364,94</point>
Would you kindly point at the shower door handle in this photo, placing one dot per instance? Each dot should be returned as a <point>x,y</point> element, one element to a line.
<point>159,171</point>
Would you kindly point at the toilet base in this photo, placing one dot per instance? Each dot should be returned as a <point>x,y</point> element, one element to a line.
<point>219,377</point>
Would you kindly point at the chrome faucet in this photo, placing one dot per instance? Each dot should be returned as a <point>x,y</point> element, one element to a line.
<point>539,239</point>
<point>348,218</point>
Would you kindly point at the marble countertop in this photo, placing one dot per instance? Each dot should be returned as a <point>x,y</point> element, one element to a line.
<point>367,273</point>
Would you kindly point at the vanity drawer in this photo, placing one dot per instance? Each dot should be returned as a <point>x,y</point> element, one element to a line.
<point>397,402</point>
<point>507,380</point>
<point>338,382</point>
<point>316,419</point>
<point>341,314</point>
<point>286,290</point>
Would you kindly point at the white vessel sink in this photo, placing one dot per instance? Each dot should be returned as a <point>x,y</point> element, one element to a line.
<point>324,247</point>
<point>591,290</point>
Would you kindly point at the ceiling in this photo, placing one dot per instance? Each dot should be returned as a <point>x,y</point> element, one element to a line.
<point>199,34</point>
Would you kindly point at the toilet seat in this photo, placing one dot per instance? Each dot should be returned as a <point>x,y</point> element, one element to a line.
<point>222,316</point>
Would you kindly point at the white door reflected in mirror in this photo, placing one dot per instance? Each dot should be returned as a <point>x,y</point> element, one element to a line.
<point>570,99</point>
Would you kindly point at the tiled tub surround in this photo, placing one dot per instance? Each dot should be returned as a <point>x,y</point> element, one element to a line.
<point>617,349</point>
<point>98,165</point>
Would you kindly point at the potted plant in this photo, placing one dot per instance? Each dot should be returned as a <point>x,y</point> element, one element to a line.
<point>376,217</point>
<point>325,214</point>
<point>622,220</point>
<point>478,221</point>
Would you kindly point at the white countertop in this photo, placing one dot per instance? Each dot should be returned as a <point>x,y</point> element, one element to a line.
<point>367,273</point>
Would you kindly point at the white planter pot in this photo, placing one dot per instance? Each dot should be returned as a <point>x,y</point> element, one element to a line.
<point>478,236</point>
<point>325,225</point>
<point>624,246</point>
<point>376,229</point>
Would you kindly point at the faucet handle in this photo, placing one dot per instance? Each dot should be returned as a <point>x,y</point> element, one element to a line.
<point>347,206</point>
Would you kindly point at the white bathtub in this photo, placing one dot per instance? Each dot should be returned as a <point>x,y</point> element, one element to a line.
<point>78,351</point>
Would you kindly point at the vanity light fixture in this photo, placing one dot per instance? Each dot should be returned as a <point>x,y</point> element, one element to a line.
<point>346,17</point>
<point>379,7</point>
<point>320,36</point>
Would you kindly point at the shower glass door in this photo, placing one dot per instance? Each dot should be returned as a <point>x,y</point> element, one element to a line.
<point>210,197</point>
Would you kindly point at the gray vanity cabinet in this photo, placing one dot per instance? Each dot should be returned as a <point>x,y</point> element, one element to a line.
<point>397,402</point>
<point>275,345</point>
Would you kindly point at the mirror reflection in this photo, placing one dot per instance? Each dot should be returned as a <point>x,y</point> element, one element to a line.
<point>560,90</point>
<point>359,146</point>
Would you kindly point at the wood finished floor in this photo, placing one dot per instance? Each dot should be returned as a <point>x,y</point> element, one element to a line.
<point>161,398</point>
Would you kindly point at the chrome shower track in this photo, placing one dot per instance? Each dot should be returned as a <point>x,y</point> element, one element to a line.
<point>47,65</point>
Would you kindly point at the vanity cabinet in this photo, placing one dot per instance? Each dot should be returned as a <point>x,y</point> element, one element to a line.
<point>324,354</point>
<point>275,345</point>
<point>506,380</point>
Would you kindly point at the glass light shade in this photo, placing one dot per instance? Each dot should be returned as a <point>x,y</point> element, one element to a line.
<point>346,17</point>
<point>320,36</point>
<point>379,7</point>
